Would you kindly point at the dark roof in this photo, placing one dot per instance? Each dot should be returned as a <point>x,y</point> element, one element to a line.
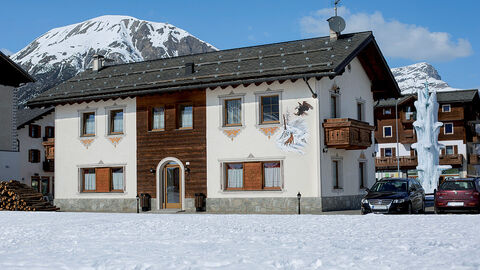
<point>28,116</point>
<point>12,74</point>
<point>456,96</point>
<point>316,57</point>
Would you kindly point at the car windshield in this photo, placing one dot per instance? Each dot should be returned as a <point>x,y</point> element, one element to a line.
<point>390,186</point>
<point>456,185</point>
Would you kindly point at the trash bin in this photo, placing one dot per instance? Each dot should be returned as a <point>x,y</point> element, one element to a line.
<point>145,201</point>
<point>200,202</point>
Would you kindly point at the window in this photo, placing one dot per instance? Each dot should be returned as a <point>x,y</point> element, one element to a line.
<point>333,106</point>
<point>89,181</point>
<point>449,150</point>
<point>361,174</point>
<point>387,111</point>
<point>103,179</point>
<point>336,174</point>
<point>270,109</point>
<point>360,111</point>
<point>34,156</point>
<point>185,120</point>
<point>49,132</point>
<point>45,185</point>
<point>116,122</point>
<point>234,175</point>
<point>388,152</point>
<point>34,131</point>
<point>387,131</point>
<point>35,183</point>
<point>158,118</point>
<point>448,129</point>
<point>271,174</point>
<point>233,112</point>
<point>446,108</point>
<point>253,175</point>
<point>88,124</point>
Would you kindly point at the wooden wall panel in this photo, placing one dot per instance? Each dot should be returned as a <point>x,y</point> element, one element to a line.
<point>253,176</point>
<point>185,145</point>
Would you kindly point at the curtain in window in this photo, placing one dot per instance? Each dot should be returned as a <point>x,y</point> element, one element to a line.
<point>158,118</point>
<point>272,174</point>
<point>235,175</point>
<point>117,179</point>
<point>90,124</point>
<point>234,110</point>
<point>187,116</point>
<point>117,121</point>
<point>89,180</point>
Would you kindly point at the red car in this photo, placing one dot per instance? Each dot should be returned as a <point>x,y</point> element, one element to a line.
<point>458,195</point>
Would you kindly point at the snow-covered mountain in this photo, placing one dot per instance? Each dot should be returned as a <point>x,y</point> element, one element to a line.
<point>63,52</point>
<point>411,78</point>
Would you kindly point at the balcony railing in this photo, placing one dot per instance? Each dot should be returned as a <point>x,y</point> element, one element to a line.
<point>49,146</point>
<point>452,159</point>
<point>346,133</point>
<point>391,162</point>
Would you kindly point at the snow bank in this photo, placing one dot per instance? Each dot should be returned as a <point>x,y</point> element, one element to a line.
<point>142,241</point>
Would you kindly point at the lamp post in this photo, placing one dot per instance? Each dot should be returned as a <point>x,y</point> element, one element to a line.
<point>299,196</point>
<point>138,202</point>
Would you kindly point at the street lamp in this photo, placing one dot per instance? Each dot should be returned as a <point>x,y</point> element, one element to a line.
<point>299,196</point>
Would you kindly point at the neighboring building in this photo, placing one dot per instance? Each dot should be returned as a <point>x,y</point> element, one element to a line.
<point>36,137</point>
<point>459,111</point>
<point>11,76</point>
<point>249,127</point>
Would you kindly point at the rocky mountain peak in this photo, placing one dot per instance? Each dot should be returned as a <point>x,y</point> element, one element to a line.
<point>411,78</point>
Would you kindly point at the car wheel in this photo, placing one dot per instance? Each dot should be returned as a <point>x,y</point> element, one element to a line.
<point>410,209</point>
<point>423,207</point>
<point>438,212</point>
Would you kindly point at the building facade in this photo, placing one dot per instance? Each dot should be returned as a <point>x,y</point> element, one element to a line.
<point>249,128</point>
<point>459,112</point>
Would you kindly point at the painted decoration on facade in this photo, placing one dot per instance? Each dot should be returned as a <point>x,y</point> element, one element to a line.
<point>87,142</point>
<point>231,133</point>
<point>269,131</point>
<point>294,135</point>
<point>115,140</point>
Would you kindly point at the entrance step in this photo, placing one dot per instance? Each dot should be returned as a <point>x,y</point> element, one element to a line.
<point>164,211</point>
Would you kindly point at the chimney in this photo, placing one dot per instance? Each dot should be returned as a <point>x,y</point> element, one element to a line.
<point>333,35</point>
<point>189,68</point>
<point>337,25</point>
<point>98,62</point>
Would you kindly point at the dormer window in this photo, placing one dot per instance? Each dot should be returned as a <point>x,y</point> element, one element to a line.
<point>446,108</point>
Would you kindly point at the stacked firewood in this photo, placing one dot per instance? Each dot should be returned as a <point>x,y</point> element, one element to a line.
<point>15,196</point>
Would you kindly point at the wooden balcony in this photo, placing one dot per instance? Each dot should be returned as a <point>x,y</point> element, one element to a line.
<point>49,145</point>
<point>406,162</point>
<point>346,133</point>
<point>474,159</point>
<point>454,160</point>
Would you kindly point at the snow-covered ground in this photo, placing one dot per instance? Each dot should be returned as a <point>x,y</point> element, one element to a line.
<point>182,241</point>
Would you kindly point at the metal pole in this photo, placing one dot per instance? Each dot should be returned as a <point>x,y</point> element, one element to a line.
<point>396,129</point>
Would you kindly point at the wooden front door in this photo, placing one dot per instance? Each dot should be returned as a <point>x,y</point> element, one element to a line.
<point>172,187</point>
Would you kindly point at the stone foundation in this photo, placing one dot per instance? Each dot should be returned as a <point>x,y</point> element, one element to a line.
<point>263,205</point>
<point>97,205</point>
<point>336,203</point>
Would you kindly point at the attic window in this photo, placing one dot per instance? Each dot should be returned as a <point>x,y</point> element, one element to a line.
<point>387,111</point>
<point>446,108</point>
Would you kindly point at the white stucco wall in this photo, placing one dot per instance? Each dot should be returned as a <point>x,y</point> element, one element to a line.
<point>9,165</point>
<point>28,169</point>
<point>354,86</point>
<point>251,144</point>
<point>71,154</point>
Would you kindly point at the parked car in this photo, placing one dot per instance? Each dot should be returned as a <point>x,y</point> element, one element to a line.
<point>394,195</point>
<point>458,195</point>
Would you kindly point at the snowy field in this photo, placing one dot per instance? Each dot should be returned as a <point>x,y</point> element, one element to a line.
<point>182,241</point>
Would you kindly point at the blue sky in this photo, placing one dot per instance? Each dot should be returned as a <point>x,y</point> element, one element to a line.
<point>443,33</point>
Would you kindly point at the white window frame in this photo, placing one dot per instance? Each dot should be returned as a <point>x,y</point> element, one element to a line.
<point>365,174</point>
<point>361,102</point>
<point>391,131</point>
<point>338,111</point>
<point>94,166</point>
<point>221,102</point>
<point>446,106</point>
<point>445,129</point>
<point>340,173</point>
<point>453,149</point>
<point>80,122</point>
<point>258,101</point>
<point>108,111</point>
<point>391,151</point>
<point>389,110</point>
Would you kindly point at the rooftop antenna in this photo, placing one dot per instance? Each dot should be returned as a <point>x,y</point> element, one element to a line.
<point>336,4</point>
<point>336,24</point>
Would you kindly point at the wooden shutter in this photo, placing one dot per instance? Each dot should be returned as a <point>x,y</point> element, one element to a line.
<point>455,149</point>
<point>253,176</point>
<point>412,152</point>
<point>30,155</point>
<point>30,131</point>
<point>382,152</point>
<point>394,152</point>
<point>443,152</point>
<point>102,178</point>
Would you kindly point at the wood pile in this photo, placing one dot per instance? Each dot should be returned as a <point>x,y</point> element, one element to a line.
<point>16,196</point>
